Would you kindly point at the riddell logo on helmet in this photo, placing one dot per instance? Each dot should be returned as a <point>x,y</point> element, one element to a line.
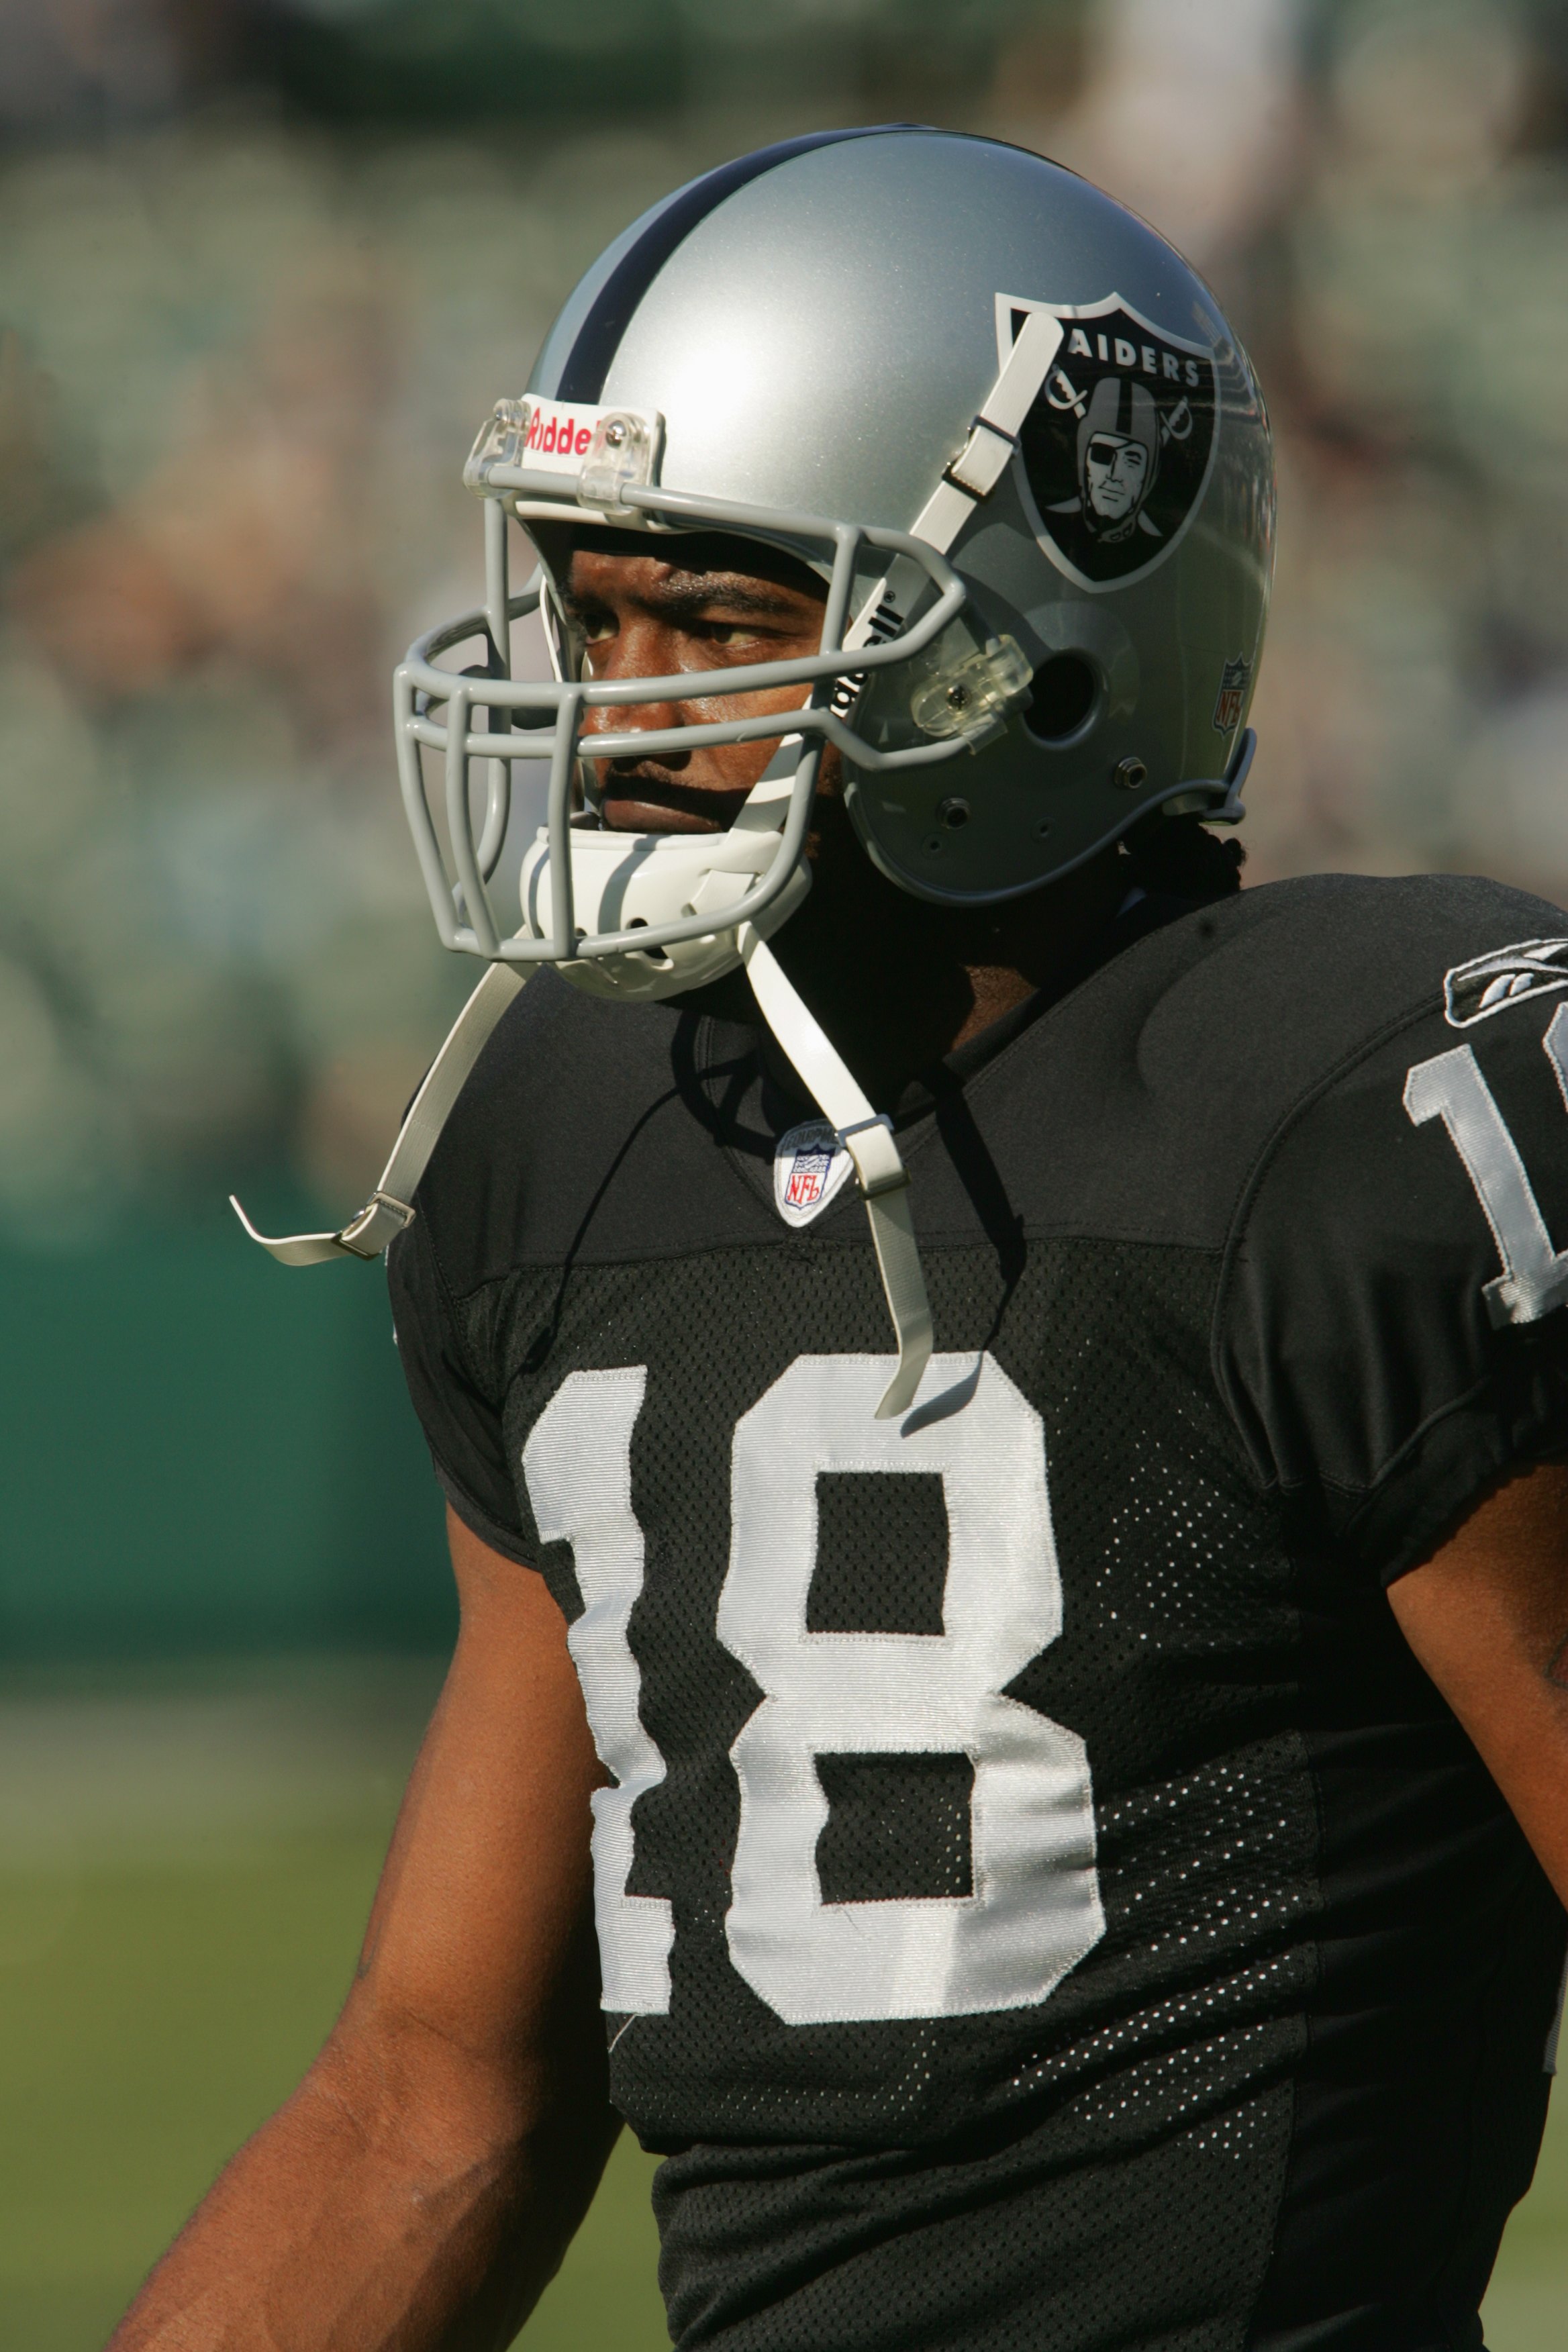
<point>555,433</point>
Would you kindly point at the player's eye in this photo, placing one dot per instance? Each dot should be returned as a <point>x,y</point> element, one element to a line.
<point>598,628</point>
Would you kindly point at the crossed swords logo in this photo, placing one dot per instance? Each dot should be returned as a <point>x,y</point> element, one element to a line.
<point>1062,393</point>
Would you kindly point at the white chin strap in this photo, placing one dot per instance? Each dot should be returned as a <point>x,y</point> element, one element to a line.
<point>868,1138</point>
<point>387,1210</point>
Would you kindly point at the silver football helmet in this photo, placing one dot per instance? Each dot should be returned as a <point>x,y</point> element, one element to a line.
<point>1007,425</point>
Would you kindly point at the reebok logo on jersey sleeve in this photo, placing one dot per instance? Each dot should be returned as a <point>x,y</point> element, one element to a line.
<point>1490,983</point>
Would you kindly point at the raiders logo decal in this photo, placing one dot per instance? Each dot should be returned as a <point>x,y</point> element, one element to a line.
<point>810,1165</point>
<point>1116,448</point>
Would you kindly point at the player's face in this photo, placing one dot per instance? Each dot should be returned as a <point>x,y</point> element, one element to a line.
<point>1116,471</point>
<point>655,616</point>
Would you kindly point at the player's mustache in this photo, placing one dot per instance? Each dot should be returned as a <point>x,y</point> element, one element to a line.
<point>654,787</point>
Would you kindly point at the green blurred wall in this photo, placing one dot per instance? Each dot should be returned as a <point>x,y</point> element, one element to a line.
<point>202,1451</point>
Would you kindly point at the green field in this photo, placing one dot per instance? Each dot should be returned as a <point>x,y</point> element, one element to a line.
<point>185,1869</point>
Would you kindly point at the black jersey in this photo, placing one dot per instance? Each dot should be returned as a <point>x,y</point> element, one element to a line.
<point>1042,1904</point>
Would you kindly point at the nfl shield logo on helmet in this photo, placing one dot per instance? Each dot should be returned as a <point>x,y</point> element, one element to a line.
<point>1232,693</point>
<point>810,1166</point>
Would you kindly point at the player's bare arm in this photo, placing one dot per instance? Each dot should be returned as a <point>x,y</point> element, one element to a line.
<point>1488,1617</point>
<point>420,2187</point>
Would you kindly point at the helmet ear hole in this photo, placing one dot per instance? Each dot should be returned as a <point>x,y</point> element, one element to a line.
<point>1061,698</point>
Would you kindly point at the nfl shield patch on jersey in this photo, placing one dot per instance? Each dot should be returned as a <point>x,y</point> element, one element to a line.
<point>810,1166</point>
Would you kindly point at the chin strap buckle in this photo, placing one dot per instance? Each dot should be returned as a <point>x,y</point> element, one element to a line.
<point>365,1237</point>
<point>983,460</point>
<point>878,1166</point>
<point>379,1221</point>
<point>387,1213</point>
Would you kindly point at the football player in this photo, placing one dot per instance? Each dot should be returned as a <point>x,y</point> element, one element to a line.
<point>1001,1399</point>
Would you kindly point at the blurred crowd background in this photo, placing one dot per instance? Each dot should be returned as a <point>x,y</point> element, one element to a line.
<point>264,266</point>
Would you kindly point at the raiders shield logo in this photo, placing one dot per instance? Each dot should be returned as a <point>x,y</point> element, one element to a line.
<point>1118,446</point>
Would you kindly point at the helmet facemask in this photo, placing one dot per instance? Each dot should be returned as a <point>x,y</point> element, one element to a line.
<point>635,912</point>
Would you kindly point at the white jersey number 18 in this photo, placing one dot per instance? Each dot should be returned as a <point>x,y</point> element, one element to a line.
<point>1033,1908</point>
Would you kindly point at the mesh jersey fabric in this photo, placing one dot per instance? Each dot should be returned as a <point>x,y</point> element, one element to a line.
<point>1181,1224</point>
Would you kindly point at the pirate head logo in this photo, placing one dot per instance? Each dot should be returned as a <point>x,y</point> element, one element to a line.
<point>1119,437</point>
<point>1118,442</point>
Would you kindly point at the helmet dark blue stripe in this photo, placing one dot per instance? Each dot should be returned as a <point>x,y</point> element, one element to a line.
<point>599,337</point>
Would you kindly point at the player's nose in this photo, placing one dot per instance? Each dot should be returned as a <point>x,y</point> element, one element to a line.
<point>632,653</point>
<point>630,717</point>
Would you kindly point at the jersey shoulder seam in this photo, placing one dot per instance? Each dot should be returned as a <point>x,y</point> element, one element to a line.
<point>451,1300</point>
